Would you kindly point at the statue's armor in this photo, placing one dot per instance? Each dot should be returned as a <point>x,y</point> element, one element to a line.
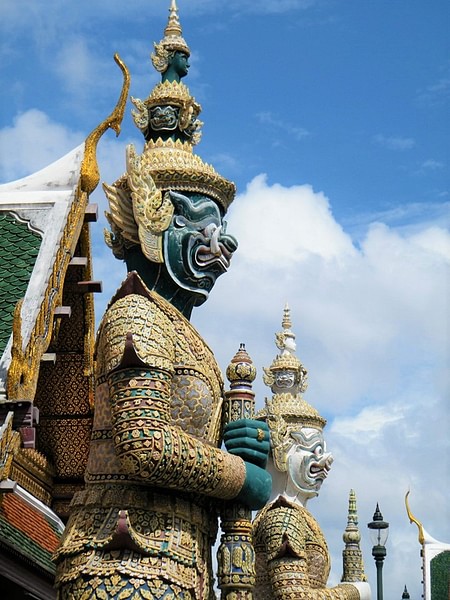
<point>147,518</point>
<point>292,558</point>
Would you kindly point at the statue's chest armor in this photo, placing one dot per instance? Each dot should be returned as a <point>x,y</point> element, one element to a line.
<point>196,394</point>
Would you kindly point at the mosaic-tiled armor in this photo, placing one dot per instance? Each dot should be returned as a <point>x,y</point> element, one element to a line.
<point>293,562</point>
<point>157,422</point>
<point>146,522</point>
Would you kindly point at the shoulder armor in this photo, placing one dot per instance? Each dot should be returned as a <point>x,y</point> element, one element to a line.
<point>152,332</point>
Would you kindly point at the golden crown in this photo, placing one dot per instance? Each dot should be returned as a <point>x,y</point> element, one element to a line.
<point>174,166</point>
<point>172,41</point>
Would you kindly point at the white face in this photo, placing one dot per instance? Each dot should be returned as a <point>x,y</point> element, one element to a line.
<point>308,462</point>
<point>284,379</point>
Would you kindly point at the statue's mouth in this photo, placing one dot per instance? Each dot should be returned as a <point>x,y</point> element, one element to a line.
<point>205,256</point>
<point>319,470</point>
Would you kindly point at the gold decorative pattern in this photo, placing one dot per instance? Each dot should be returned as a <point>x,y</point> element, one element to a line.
<point>293,559</point>
<point>139,211</point>
<point>172,94</point>
<point>152,524</point>
<point>174,166</point>
<point>89,174</point>
<point>34,473</point>
<point>9,446</point>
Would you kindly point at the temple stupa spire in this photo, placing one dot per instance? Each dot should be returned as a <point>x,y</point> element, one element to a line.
<point>353,566</point>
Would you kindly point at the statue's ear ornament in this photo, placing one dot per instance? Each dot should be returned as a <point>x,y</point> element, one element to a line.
<point>140,212</point>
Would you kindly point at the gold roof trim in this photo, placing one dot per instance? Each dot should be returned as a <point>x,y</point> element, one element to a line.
<point>90,174</point>
<point>412,519</point>
<point>23,371</point>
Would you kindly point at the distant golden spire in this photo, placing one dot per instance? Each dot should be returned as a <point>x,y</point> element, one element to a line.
<point>353,566</point>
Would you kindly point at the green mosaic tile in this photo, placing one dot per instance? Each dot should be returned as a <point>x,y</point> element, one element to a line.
<point>19,248</point>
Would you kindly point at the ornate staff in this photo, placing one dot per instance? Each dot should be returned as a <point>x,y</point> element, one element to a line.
<point>236,556</point>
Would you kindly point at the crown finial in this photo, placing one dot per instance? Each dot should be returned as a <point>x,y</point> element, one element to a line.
<point>405,594</point>
<point>286,373</point>
<point>173,27</point>
<point>352,561</point>
<point>286,324</point>
<point>172,42</point>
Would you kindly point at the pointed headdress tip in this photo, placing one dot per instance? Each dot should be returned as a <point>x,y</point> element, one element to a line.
<point>172,41</point>
<point>287,379</point>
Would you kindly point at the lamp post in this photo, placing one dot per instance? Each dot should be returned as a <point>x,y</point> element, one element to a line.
<point>379,531</point>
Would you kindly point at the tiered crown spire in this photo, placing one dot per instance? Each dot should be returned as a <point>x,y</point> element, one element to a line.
<point>287,412</point>
<point>287,379</point>
<point>172,41</point>
<point>353,566</point>
<point>168,120</point>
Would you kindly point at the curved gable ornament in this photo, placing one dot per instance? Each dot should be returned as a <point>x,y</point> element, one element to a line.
<point>26,352</point>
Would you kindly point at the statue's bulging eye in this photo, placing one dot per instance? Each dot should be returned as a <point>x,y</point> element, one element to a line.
<point>179,221</point>
<point>318,451</point>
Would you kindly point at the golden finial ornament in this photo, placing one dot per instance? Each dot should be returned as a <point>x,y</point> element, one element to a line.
<point>353,566</point>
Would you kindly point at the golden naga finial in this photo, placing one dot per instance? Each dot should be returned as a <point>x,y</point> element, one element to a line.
<point>90,174</point>
<point>412,519</point>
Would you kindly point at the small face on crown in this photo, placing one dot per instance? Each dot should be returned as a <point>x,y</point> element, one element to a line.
<point>308,462</point>
<point>284,379</point>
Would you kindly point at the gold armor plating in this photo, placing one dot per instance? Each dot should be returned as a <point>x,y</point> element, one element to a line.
<point>173,94</point>
<point>156,429</point>
<point>292,556</point>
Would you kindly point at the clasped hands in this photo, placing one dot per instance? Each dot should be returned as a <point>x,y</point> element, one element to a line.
<point>250,439</point>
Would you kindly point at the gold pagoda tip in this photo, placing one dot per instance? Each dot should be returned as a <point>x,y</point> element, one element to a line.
<point>173,27</point>
<point>286,323</point>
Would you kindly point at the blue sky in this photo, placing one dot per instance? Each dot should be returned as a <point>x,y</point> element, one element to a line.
<point>332,118</point>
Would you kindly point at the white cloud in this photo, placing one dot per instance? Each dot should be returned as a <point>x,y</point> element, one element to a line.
<point>394,142</point>
<point>431,165</point>
<point>277,123</point>
<point>368,423</point>
<point>372,330</point>
<point>54,141</point>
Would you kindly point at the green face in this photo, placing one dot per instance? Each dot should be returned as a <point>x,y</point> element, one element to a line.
<point>197,249</point>
<point>178,67</point>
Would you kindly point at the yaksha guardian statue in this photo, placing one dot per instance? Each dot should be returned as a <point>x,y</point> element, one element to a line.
<point>156,477</point>
<point>292,558</point>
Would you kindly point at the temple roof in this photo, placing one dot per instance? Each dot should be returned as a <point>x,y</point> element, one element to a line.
<point>19,248</point>
<point>28,532</point>
<point>33,216</point>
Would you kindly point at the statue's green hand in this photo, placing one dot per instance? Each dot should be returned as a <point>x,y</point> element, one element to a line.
<point>248,439</point>
<point>255,492</point>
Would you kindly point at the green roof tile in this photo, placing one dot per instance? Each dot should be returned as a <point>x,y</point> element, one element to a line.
<point>19,248</point>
